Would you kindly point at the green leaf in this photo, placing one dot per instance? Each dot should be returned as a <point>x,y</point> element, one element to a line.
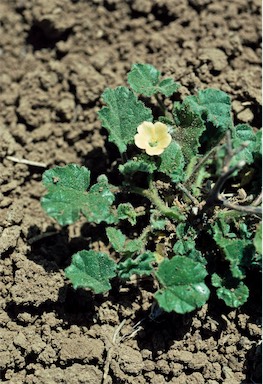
<point>168,87</point>
<point>67,197</point>
<point>182,247</point>
<point>99,201</point>
<point>138,165</point>
<point>172,162</point>
<point>234,295</point>
<point>122,115</point>
<point>66,192</point>
<point>235,252</point>
<point>189,127</point>
<point>145,79</point>
<point>70,176</point>
<point>185,245</point>
<point>121,244</point>
<point>90,269</point>
<point>157,222</point>
<point>125,211</point>
<point>222,227</point>
<point>140,266</point>
<point>133,246</point>
<point>239,252</point>
<point>214,108</point>
<point>183,288</point>
<point>116,238</point>
<point>186,239</point>
<point>257,241</point>
<point>257,153</point>
<point>243,133</point>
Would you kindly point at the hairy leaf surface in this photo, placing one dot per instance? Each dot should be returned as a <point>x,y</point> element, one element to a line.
<point>67,197</point>
<point>189,127</point>
<point>99,201</point>
<point>140,266</point>
<point>233,295</point>
<point>122,115</point>
<point>145,79</point>
<point>239,252</point>
<point>138,165</point>
<point>120,242</point>
<point>125,211</point>
<point>214,108</point>
<point>172,162</point>
<point>182,285</point>
<point>243,133</point>
<point>70,176</point>
<point>116,238</point>
<point>90,269</point>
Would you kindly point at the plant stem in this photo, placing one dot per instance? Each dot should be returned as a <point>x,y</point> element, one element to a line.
<point>202,161</point>
<point>215,192</point>
<point>145,233</point>
<point>241,208</point>
<point>163,107</point>
<point>161,104</point>
<point>188,194</point>
<point>153,196</point>
<point>124,157</point>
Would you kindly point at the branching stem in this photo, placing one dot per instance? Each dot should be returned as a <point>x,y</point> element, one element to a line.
<point>241,208</point>
<point>215,192</point>
<point>215,196</point>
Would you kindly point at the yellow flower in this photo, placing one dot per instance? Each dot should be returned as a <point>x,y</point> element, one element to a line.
<point>154,138</point>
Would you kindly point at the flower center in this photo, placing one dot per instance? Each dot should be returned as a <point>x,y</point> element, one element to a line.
<point>153,143</point>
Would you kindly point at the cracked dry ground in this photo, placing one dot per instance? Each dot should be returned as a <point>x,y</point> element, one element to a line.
<point>56,58</point>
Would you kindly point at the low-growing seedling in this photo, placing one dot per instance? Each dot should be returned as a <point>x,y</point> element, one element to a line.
<point>189,184</point>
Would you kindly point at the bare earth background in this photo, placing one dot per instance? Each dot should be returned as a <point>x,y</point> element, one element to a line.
<point>56,58</point>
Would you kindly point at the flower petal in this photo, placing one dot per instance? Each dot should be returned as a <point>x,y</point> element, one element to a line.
<point>160,129</point>
<point>140,141</point>
<point>164,141</point>
<point>146,129</point>
<point>152,151</point>
<point>154,138</point>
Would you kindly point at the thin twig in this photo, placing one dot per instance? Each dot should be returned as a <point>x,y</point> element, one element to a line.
<point>187,193</point>
<point>215,196</point>
<point>27,162</point>
<point>110,351</point>
<point>215,192</point>
<point>241,208</point>
<point>117,331</point>
<point>116,339</point>
<point>137,328</point>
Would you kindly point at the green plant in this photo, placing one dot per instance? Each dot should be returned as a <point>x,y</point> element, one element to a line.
<point>197,184</point>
